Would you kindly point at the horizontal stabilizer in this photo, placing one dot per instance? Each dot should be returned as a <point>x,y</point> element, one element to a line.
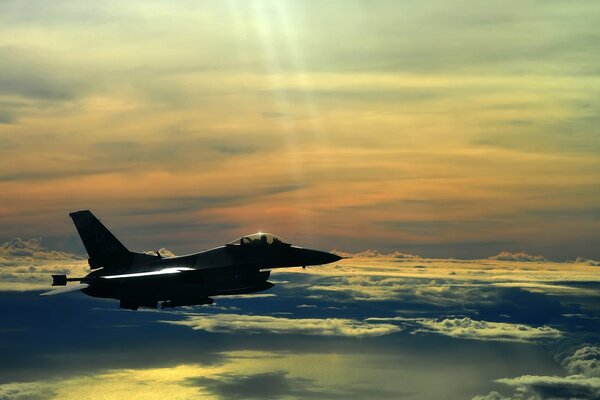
<point>65,289</point>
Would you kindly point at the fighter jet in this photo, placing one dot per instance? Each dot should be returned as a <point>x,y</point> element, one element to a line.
<point>145,280</point>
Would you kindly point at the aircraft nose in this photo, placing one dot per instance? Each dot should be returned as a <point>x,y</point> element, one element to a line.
<point>316,257</point>
<point>329,257</point>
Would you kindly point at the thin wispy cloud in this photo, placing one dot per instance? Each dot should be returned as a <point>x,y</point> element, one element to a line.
<point>255,324</point>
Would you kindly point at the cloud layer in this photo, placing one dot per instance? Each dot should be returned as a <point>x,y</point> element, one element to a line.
<point>387,325</point>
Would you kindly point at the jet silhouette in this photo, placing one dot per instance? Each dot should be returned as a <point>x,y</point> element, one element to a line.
<point>145,280</point>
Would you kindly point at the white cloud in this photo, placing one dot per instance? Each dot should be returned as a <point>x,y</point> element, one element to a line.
<point>251,324</point>
<point>555,387</point>
<point>163,252</point>
<point>583,383</point>
<point>27,265</point>
<point>584,361</point>
<point>25,391</point>
<point>491,396</point>
<point>520,256</point>
<point>376,254</point>
<point>581,260</point>
<point>18,247</point>
<point>467,328</point>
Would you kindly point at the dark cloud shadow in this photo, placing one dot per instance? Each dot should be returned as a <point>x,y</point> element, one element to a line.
<point>278,384</point>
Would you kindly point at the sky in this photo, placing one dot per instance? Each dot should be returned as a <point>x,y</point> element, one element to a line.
<point>450,147</point>
<point>447,129</point>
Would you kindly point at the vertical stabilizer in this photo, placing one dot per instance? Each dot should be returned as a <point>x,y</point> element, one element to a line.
<point>103,248</point>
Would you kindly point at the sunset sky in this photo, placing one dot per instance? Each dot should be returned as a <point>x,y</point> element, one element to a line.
<point>452,147</point>
<point>449,129</point>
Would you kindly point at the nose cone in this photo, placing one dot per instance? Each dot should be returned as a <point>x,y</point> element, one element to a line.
<point>315,257</point>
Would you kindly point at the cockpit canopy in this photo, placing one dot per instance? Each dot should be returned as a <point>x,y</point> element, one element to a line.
<point>258,239</point>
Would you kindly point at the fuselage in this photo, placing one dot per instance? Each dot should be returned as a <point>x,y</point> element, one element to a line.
<point>240,268</point>
<point>140,279</point>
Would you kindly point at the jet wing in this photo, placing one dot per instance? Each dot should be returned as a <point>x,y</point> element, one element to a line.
<point>160,272</point>
<point>65,289</point>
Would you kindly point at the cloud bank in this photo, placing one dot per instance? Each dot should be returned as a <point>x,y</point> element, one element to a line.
<point>32,249</point>
<point>467,328</point>
<point>520,256</point>
<point>27,265</point>
<point>253,324</point>
<point>583,383</point>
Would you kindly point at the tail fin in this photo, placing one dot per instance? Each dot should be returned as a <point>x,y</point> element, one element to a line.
<point>102,246</point>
